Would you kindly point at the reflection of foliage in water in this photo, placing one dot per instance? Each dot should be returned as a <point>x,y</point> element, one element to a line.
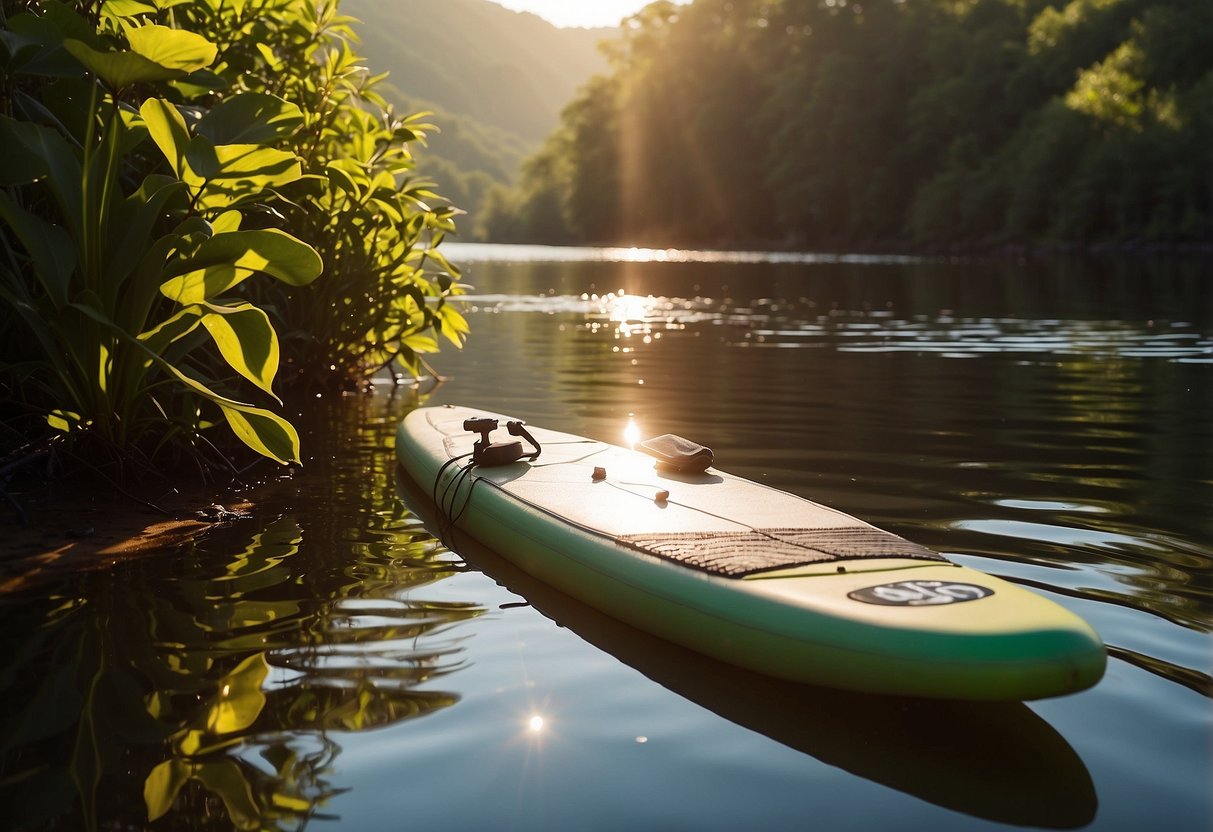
<point>208,686</point>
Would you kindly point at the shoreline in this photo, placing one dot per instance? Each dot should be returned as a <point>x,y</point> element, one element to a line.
<point>1009,251</point>
<point>70,533</point>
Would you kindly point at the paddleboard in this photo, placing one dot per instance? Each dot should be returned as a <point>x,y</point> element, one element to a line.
<point>747,574</point>
<point>990,756</point>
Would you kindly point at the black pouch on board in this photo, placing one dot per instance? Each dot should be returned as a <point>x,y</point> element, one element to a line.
<point>678,453</point>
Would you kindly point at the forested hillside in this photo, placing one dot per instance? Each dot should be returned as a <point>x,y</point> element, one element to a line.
<point>886,123</point>
<point>495,80</point>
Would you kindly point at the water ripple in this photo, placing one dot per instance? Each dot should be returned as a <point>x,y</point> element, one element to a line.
<point>799,323</point>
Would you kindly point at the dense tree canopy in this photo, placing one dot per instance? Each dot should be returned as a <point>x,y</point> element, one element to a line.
<point>882,123</point>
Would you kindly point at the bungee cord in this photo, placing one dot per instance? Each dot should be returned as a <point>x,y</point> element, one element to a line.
<point>446,522</point>
<point>485,454</point>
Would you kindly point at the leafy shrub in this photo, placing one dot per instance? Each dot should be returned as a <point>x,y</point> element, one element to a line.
<point>384,296</point>
<point>160,153</point>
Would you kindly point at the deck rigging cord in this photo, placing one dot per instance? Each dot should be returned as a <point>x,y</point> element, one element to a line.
<point>485,454</point>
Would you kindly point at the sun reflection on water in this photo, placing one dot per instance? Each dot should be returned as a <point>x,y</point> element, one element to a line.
<point>624,308</point>
<point>631,433</point>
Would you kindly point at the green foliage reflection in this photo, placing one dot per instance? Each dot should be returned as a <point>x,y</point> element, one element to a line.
<point>130,703</point>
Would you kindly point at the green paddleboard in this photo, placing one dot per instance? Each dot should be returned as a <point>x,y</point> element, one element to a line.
<point>747,574</point>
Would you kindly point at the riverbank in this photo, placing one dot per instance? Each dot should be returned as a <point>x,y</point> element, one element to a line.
<point>75,531</point>
<point>992,249</point>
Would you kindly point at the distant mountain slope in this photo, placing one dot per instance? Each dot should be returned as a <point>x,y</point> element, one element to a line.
<point>495,79</point>
<point>506,69</point>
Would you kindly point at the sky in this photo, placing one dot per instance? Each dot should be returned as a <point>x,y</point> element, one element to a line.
<point>578,12</point>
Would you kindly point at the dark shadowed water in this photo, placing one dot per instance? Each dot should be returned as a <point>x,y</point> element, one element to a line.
<point>330,665</point>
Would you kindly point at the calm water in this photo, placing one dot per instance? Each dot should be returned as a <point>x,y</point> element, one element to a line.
<point>329,664</point>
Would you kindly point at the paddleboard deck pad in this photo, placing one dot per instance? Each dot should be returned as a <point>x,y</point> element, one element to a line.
<point>748,574</point>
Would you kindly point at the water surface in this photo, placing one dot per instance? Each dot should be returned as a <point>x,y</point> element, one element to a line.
<point>331,664</point>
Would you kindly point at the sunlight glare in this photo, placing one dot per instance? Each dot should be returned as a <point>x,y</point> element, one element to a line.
<point>536,723</point>
<point>624,308</point>
<point>631,433</point>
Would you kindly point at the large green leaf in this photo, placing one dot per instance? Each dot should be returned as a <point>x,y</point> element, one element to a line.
<point>119,69</point>
<point>31,110</point>
<point>226,259</point>
<point>236,171</point>
<point>49,246</point>
<point>158,53</point>
<point>175,49</point>
<point>202,164</point>
<point>67,22</point>
<point>16,49</point>
<point>137,217</point>
<point>198,83</point>
<point>250,118</point>
<point>247,341</point>
<point>266,433</point>
<point>126,8</point>
<point>55,160</point>
<point>205,283</point>
<point>143,293</point>
<point>227,221</point>
<point>48,29</point>
<point>168,131</point>
<point>173,329</point>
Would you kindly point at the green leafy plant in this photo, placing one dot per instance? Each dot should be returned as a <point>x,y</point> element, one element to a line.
<point>387,294</point>
<point>162,153</point>
<point>121,286</point>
